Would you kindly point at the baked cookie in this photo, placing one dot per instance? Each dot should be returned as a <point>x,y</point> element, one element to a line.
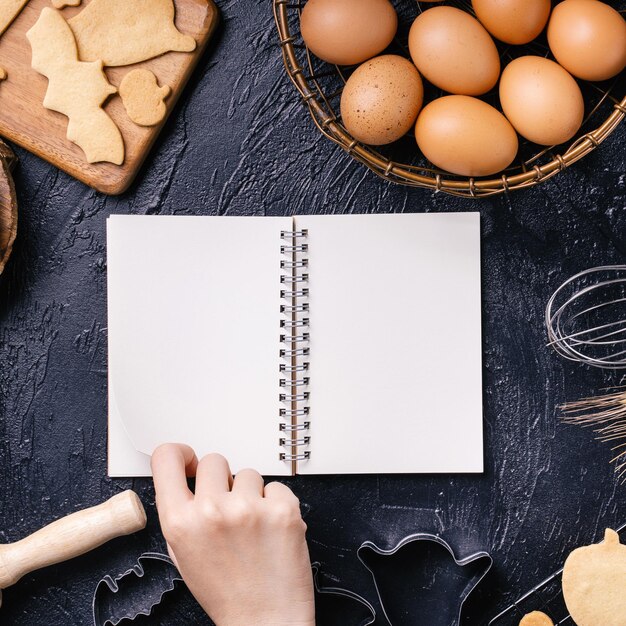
<point>536,618</point>
<point>143,98</point>
<point>594,583</point>
<point>76,89</point>
<point>123,32</point>
<point>9,10</point>
<point>61,4</point>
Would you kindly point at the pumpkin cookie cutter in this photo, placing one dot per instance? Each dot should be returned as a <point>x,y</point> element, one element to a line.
<point>480,563</point>
<point>547,597</point>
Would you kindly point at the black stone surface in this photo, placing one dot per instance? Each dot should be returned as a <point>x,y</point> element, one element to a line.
<point>240,143</point>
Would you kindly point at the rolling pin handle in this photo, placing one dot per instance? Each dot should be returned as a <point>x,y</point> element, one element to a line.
<point>71,536</point>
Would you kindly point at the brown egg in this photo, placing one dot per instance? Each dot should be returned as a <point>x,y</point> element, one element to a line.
<point>465,136</point>
<point>454,52</point>
<point>541,100</point>
<point>513,21</point>
<point>347,32</point>
<point>588,38</point>
<point>381,100</point>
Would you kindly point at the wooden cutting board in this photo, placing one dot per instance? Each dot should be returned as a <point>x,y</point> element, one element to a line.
<point>25,121</point>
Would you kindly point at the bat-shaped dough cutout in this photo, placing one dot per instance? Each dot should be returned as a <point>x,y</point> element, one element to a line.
<point>143,98</point>
<point>75,89</point>
<point>123,32</point>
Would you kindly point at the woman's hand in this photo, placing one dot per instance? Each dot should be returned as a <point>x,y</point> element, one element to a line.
<point>239,544</point>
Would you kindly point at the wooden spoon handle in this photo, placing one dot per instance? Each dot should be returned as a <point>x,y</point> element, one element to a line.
<point>72,536</point>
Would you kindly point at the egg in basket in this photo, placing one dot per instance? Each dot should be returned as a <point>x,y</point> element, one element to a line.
<point>472,98</point>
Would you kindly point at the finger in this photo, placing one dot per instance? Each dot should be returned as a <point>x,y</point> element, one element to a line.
<point>213,476</point>
<point>171,463</point>
<point>278,491</point>
<point>248,483</point>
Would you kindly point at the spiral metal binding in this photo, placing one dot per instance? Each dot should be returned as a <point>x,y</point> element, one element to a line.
<point>295,349</point>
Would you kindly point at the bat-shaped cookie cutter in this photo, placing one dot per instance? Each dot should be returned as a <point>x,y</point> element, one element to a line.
<point>482,562</point>
<point>135,592</point>
<point>113,602</point>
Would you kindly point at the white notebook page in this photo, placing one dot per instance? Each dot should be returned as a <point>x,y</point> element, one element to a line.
<point>194,339</point>
<point>395,363</point>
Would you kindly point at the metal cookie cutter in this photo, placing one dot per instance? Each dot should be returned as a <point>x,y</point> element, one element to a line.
<point>337,607</point>
<point>140,589</point>
<point>435,574</point>
<point>136,592</point>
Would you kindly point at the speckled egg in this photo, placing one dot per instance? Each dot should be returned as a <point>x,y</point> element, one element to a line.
<point>453,51</point>
<point>465,136</point>
<point>347,32</point>
<point>381,100</point>
<point>513,21</point>
<point>588,38</point>
<point>542,101</point>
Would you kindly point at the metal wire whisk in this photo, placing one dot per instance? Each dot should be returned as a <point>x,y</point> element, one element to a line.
<point>586,317</point>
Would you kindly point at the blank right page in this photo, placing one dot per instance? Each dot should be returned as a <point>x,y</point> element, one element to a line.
<point>395,348</point>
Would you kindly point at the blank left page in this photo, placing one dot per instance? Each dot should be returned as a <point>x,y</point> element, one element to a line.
<point>193,305</point>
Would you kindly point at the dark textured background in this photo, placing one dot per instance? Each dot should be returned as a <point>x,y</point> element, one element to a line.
<point>240,143</point>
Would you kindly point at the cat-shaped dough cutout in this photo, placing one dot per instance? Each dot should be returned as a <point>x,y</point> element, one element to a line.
<point>75,89</point>
<point>123,32</point>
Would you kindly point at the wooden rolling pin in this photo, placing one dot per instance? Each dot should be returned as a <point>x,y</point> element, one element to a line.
<point>71,536</point>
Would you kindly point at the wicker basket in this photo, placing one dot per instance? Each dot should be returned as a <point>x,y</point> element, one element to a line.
<point>320,85</point>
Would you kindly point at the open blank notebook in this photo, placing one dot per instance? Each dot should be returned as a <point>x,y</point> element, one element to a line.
<point>297,345</point>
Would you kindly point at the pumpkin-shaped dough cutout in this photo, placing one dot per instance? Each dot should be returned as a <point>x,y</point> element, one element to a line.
<point>594,583</point>
<point>143,98</point>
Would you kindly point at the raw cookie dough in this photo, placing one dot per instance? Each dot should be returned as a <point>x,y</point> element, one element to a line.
<point>75,89</point>
<point>9,10</point>
<point>536,618</point>
<point>61,4</point>
<point>123,32</point>
<point>594,583</point>
<point>143,98</point>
